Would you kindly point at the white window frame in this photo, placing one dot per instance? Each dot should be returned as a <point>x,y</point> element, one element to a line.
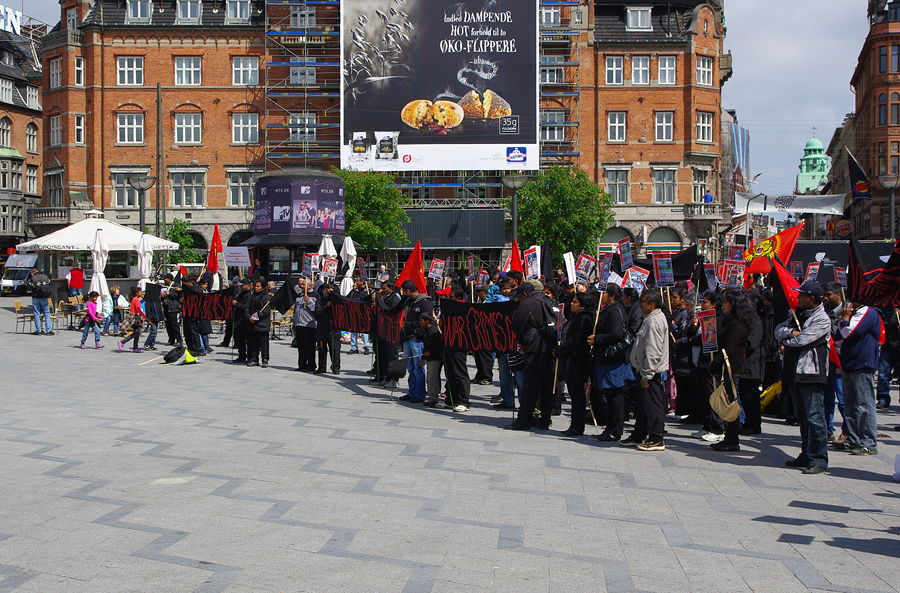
<point>129,128</point>
<point>31,175</point>
<point>72,18</point>
<point>240,186</point>
<point>245,128</point>
<point>31,138</point>
<point>56,73</point>
<point>666,69</point>
<point>638,18</point>
<point>79,71</point>
<point>299,134</point>
<point>192,192</point>
<point>704,126</point>
<point>188,128</point>
<point>55,193</point>
<point>665,190</point>
<point>123,195</point>
<point>616,186</point>
<point>701,183</point>
<point>551,16</point>
<point>79,129</point>
<point>549,131</point>
<point>237,11</point>
<point>245,70</point>
<point>616,126</point>
<point>130,70</point>
<point>56,130</point>
<point>640,70</point>
<point>552,74</point>
<point>303,75</point>
<point>5,132</point>
<point>704,71</point>
<point>138,11</point>
<point>188,70</point>
<point>302,17</point>
<point>16,175</point>
<point>665,126</point>
<point>614,70</point>
<point>188,12</point>
<point>6,90</point>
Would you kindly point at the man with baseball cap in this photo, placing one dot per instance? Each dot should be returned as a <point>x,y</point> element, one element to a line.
<point>805,340</point>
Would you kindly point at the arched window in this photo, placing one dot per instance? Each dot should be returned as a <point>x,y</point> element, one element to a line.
<point>5,131</point>
<point>31,134</point>
<point>882,109</point>
<point>895,109</point>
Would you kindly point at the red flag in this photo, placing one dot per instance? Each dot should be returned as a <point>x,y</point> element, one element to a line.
<point>759,257</point>
<point>788,284</point>
<point>182,271</point>
<point>833,356</point>
<point>516,263</point>
<point>413,269</point>
<point>215,248</point>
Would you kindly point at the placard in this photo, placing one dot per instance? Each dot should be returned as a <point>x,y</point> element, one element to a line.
<point>604,272</point>
<point>840,276</point>
<point>533,262</point>
<point>483,277</point>
<point>507,263</point>
<point>662,271</point>
<point>361,266</point>
<point>329,267</point>
<point>734,274</point>
<point>310,264</point>
<point>812,272</point>
<point>237,257</point>
<point>471,264</point>
<point>625,254</point>
<point>796,269</point>
<point>708,330</point>
<point>711,280</point>
<point>438,267</point>
<point>636,277</point>
<point>584,266</point>
<point>737,252</point>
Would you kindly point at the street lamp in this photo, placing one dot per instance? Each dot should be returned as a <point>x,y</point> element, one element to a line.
<point>141,183</point>
<point>515,182</point>
<point>891,182</point>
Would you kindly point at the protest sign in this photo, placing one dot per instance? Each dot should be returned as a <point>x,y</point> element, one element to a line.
<point>625,253</point>
<point>812,272</point>
<point>711,280</point>
<point>329,267</point>
<point>636,277</point>
<point>734,274</point>
<point>796,269</point>
<point>478,328</point>
<point>437,268</point>
<point>471,263</point>
<point>584,266</point>
<point>361,266</point>
<point>483,277</point>
<point>533,262</point>
<point>208,306</point>
<point>663,272</point>
<point>708,330</point>
<point>840,276</point>
<point>507,263</point>
<point>605,269</point>
<point>351,315</point>
<point>236,257</point>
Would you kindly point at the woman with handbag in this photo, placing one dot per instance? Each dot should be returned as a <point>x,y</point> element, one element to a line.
<point>730,361</point>
<point>574,356</point>
<point>612,345</point>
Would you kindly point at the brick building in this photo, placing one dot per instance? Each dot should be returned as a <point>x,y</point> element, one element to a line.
<point>20,131</point>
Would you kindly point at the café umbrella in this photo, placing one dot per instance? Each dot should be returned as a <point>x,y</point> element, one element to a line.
<point>145,259</point>
<point>348,254</point>
<point>99,255</point>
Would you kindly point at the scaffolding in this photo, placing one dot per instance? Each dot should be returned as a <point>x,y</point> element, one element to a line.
<point>560,82</point>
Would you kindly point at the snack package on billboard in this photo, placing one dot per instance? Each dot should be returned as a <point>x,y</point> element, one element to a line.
<point>584,266</point>
<point>708,330</point>
<point>359,147</point>
<point>386,146</point>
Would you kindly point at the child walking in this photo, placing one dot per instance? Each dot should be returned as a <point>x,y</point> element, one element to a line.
<point>134,318</point>
<point>92,321</point>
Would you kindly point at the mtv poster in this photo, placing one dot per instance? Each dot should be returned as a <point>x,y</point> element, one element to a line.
<point>435,85</point>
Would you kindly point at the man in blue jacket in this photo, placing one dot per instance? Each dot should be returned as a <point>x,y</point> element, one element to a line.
<point>859,334</point>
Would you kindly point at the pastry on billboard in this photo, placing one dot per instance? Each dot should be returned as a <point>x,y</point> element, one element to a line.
<point>471,105</point>
<point>417,113</point>
<point>495,106</point>
<point>447,114</point>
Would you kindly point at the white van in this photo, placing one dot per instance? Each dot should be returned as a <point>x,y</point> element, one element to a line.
<point>16,273</point>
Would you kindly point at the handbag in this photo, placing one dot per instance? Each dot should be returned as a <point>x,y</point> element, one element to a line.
<point>729,411</point>
<point>622,347</point>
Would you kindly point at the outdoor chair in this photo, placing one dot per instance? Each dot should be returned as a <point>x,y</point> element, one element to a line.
<point>22,317</point>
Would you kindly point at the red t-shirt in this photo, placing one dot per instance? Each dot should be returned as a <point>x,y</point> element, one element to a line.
<point>76,278</point>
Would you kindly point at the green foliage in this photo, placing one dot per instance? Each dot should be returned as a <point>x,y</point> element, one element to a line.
<point>177,231</point>
<point>562,205</point>
<point>373,209</point>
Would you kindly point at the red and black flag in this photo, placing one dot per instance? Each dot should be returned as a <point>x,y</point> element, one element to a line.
<point>859,181</point>
<point>870,281</point>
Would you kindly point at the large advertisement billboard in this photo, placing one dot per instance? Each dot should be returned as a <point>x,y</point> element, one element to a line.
<point>436,85</point>
<point>285,205</point>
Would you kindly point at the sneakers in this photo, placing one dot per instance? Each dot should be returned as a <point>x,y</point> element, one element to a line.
<point>98,346</point>
<point>37,333</point>
<point>699,434</point>
<point>712,437</point>
<point>881,405</point>
<point>441,406</point>
<point>138,351</point>
<point>496,399</point>
<point>814,469</point>
<point>648,445</point>
<point>461,408</point>
<point>864,451</point>
<point>121,349</point>
<point>630,441</point>
<point>674,416</point>
<point>839,442</point>
<point>265,364</point>
<point>149,348</point>
<point>53,334</point>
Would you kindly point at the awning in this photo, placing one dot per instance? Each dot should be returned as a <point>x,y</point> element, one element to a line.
<point>80,236</point>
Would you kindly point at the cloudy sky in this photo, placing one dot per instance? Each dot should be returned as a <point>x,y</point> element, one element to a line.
<point>793,60</point>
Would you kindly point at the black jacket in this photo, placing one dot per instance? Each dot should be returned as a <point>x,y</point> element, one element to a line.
<point>324,318</point>
<point>242,308</point>
<point>431,343</point>
<point>731,338</point>
<point>610,331</point>
<point>574,350</point>
<point>756,366</point>
<point>260,304</point>
<point>891,328</point>
<point>529,316</point>
<point>769,344</point>
<point>635,317</point>
<point>682,355</point>
<point>415,307</point>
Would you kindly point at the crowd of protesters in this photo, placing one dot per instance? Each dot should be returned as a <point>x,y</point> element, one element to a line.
<point>612,352</point>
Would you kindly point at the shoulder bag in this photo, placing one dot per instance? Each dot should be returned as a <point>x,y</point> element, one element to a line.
<point>729,411</point>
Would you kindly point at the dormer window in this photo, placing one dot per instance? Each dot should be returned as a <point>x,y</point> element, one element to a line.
<point>188,11</point>
<point>138,11</point>
<point>638,18</point>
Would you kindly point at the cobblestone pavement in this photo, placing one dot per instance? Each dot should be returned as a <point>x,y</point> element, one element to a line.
<point>218,477</point>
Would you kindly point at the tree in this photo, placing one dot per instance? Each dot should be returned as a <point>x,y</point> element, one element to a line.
<point>564,207</point>
<point>177,231</point>
<point>373,209</point>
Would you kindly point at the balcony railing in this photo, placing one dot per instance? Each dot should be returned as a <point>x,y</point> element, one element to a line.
<point>61,38</point>
<point>51,215</point>
<point>701,210</point>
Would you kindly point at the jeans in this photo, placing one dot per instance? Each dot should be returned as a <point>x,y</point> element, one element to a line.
<point>886,363</point>
<point>834,391</point>
<point>809,407</point>
<point>354,346</point>
<point>41,306</point>
<point>76,292</point>
<point>412,350</point>
<point>507,388</point>
<point>204,342</point>
<point>88,326</point>
<point>114,320</point>
<point>859,401</point>
<point>150,342</point>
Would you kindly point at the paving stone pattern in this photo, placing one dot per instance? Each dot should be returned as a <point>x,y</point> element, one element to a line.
<point>218,477</point>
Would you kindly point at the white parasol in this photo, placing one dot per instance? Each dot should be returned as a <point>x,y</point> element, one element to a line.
<point>145,259</point>
<point>100,255</point>
<point>326,249</point>
<point>348,255</point>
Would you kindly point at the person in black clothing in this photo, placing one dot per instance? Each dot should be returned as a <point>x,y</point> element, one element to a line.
<point>385,351</point>
<point>260,322</point>
<point>771,352</point>
<point>191,326</point>
<point>612,371</point>
<point>537,382</point>
<point>455,367</point>
<point>713,429</point>
<point>432,359</point>
<point>889,356</point>
<point>172,307</point>
<point>732,339</point>
<point>749,386</point>
<point>329,339</point>
<point>682,360</point>
<point>574,354</point>
<point>229,323</point>
<point>241,308</point>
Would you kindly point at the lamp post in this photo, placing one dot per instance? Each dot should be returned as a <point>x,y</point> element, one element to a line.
<point>891,182</point>
<point>141,183</point>
<point>515,182</point>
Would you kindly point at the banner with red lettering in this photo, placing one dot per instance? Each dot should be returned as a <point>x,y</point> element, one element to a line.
<point>208,306</point>
<point>474,328</point>
<point>388,324</point>
<point>351,315</point>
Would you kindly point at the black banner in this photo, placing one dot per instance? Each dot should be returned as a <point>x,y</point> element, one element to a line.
<point>351,315</point>
<point>208,306</point>
<point>388,325</point>
<point>871,282</point>
<point>474,328</point>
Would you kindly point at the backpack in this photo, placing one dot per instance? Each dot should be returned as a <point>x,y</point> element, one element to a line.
<point>42,289</point>
<point>549,326</point>
<point>174,354</point>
